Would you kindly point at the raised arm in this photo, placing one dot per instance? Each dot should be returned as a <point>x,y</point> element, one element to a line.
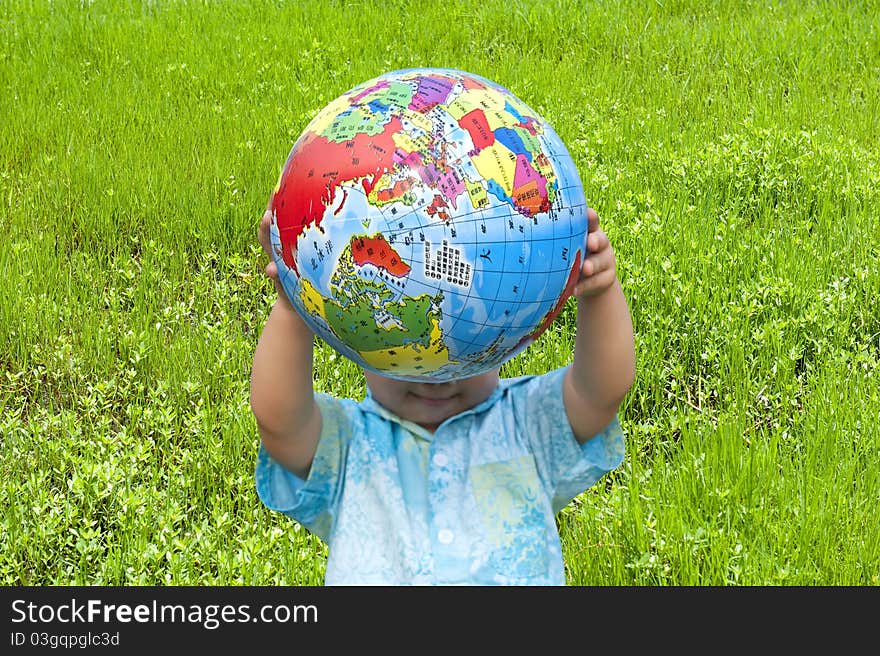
<point>282,397</point>
<point>603,369</point>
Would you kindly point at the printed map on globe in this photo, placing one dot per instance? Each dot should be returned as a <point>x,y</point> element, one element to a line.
<point>428,225</point>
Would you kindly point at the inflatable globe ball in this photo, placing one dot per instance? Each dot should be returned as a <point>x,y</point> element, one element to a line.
<point>428,225</point>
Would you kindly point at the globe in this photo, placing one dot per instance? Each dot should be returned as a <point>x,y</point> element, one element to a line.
<point>428,225</point>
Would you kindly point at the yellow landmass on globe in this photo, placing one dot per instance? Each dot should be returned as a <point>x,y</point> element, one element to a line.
<point>406,143</point>
<point>418,119</point>
<point>499,119</point>
<point>411,359</point>
<point>475,99</point>
<point>326,116</point>
<point>311,299</point>
<point>477,193</point>
<point>497,163</point>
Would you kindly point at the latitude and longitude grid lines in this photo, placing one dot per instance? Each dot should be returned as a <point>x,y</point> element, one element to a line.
<point>476,218</point>
<point>448,257</point>
<point>431,268</point>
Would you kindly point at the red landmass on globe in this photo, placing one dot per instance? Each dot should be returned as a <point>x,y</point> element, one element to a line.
<point>378,252</point>
<point>315,168</point>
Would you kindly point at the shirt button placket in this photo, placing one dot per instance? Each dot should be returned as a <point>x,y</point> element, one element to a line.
<point>440,460</point>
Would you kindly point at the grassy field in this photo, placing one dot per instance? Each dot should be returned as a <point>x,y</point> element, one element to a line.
<point>730,148</point>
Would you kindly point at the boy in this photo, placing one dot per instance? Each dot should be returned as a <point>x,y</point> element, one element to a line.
<point>443,483</point>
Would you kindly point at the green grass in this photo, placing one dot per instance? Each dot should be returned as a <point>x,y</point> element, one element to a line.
<point>731,149</point>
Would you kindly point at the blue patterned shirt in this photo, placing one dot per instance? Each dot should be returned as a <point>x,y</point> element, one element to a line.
<point>472,503</point>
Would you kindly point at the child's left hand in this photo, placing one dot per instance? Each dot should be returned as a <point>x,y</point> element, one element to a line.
<point>599,270</point>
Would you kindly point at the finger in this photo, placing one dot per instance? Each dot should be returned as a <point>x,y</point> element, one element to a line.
<point>272,270</point>
<point>591,267</point>
<point>597,241</point>
<point>598,262</point>
<point>592,220</point>
<point>595,283</point>
<point>263,235</point>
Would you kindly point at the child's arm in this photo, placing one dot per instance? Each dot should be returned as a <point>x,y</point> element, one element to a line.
<point>282,397</point>
<point>603,369</point>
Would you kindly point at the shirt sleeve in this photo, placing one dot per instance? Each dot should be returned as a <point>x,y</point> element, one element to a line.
<point>565,466</point>
<point>312,501</point>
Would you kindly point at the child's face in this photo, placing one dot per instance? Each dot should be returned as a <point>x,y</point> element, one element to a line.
<point>430,404</point>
